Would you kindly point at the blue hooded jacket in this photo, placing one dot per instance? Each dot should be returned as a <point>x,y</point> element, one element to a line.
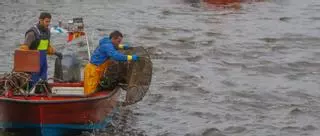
<point>106,50</point>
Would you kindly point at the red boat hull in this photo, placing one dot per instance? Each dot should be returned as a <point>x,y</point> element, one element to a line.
<point>47,113</point>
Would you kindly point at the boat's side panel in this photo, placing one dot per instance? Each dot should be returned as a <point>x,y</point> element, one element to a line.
<point>78,114</point>
<point>11,112</point>
<point>23,129</point>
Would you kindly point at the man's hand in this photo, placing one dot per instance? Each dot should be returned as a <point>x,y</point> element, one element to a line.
<point>135,58</point>
<point>59,55</point>
<point>23,47</point>
<point>125,46</point>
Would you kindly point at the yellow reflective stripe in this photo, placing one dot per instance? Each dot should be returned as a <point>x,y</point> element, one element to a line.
<point>43,45</point>
<point>129,57</point>
<point>121,46</point>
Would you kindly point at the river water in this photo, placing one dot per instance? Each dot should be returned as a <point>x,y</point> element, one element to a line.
<point>248,69</point>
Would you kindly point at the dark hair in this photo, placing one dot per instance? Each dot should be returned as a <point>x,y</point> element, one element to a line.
<point>115,34</point>
<point>44,15</point>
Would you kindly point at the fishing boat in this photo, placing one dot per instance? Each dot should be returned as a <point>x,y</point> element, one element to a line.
<point>58,114</point>
<point>60,107</point>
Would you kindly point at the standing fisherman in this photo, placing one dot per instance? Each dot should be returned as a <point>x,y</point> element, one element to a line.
<point>38,38</point>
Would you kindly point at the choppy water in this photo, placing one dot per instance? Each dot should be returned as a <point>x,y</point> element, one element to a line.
<point>247,70</point>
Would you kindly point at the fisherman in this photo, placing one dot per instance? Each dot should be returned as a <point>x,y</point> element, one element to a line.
<point>38,38</point>
<point>100,59</point>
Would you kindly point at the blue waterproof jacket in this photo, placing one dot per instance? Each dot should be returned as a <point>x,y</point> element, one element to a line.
<point>106,50</point>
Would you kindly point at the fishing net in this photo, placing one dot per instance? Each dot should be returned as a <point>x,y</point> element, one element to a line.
<point>17,82</point>
<point>134,77</point>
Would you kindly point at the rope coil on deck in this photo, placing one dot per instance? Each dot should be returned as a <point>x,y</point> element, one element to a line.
<point>17,82</point>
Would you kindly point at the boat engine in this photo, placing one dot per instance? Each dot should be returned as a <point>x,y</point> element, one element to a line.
<point>67,69</point>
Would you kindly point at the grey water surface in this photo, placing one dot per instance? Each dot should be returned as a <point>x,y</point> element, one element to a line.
<point>218,71</point>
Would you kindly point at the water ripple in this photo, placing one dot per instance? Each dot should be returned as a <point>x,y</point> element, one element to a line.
<point>250,68</point>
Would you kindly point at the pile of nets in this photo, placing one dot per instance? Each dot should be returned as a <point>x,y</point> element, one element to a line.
<point>16,82</point>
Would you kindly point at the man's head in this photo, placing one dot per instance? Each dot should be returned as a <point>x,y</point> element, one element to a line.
<point>116,37</point>
<point>45,19</point>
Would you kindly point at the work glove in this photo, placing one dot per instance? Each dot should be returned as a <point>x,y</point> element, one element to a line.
<point>125,46</point>
<point>23,47</point>
<point>135,58</point>
<point>59,55</point>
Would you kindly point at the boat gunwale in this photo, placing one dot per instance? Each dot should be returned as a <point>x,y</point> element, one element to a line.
<point>81,99</point>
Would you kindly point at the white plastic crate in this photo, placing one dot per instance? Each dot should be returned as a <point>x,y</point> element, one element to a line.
<point>68,91</point>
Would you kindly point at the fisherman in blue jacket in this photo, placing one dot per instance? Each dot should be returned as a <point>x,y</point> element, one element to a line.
<point>107,49</point>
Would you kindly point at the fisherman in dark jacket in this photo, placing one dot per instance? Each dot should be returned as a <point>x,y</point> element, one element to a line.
<point>38,38</point>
